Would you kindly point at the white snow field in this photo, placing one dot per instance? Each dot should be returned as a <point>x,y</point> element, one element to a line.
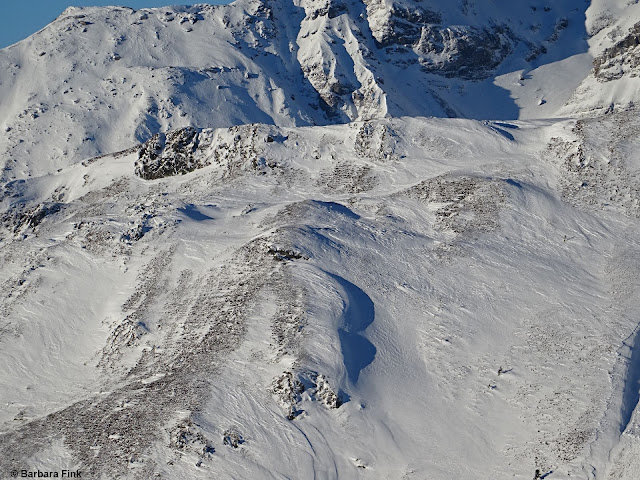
<point>245,242</point>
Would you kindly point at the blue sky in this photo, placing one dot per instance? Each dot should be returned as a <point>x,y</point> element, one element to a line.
<point>21,18</point>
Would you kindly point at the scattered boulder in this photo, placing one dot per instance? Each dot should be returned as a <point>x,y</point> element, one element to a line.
<point>232,438</point>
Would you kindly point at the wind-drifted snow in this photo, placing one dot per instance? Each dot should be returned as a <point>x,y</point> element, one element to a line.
<point>288,270</point>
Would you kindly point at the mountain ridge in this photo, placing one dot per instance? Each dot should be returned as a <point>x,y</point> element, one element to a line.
<point>288,63</point>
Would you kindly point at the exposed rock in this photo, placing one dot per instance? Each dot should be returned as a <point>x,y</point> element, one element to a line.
<point>398,24</point>
<point>21,219</point>
<point>232,437</point>
<point>623,58</point>
<point>169,154</point>
<point>451,50</point>
<point>187,436</point>
<point>465,205</point>
<point>289,387</point>
<point>596,173</point>
<point>462,51</point>
<point>285,255</point>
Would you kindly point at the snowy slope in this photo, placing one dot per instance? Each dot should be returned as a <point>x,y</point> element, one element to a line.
<point>337,306</point>
<point>99,80</point>
<point>243,242</point>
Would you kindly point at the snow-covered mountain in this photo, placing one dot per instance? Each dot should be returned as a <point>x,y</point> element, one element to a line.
<point>245,241</point>
<point>99,80</point>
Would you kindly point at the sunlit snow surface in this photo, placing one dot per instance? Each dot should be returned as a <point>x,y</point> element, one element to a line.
<point>395,298</point>
<point>398,264</point>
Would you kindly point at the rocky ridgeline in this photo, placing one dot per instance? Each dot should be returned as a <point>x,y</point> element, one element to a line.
<point>349,47</point>
<point>181,151</point>
<point>250,148</point>
<point>335,57</point>
<point>309,62</point>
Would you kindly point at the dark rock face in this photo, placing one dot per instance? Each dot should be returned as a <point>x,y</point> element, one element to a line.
<point>623,57</point>
<point>165,155</point>
<point>404,25</point>
<point>450,50</point>
<point>462,51</point>
<point>329,10</point>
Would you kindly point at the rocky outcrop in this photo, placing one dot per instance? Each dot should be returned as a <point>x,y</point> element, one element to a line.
<point>462,51</point>
<point>451,50</point>
<point>623,58</point>
<point>398,24</point>
<point>289,388</point>
<point>234,150</point>
<point>22,220</point>
<point>165,155</point>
